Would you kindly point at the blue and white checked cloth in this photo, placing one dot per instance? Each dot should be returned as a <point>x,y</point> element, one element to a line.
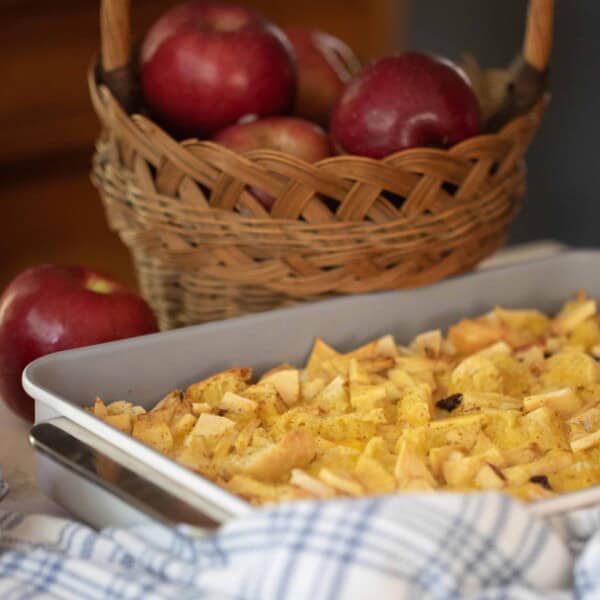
<point>482,546</point>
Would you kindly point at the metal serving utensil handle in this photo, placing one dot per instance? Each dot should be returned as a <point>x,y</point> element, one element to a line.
<point>113,470</point>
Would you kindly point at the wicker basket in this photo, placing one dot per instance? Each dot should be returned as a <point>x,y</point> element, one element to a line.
<point>204,248</point>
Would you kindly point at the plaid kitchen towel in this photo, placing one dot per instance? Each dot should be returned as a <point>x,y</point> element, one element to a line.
<point>415,546</point>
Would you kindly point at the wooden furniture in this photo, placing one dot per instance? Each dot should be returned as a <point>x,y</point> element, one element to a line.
<point>51,213</point>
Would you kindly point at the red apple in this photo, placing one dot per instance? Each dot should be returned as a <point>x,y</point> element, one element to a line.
<point>325,65</point>
<point>291,135</point>
<point>402,102</point>
<point>50,308</point>
<point>206,64</point>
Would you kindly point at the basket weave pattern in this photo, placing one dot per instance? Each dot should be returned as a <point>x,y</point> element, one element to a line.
<point>204,248</point>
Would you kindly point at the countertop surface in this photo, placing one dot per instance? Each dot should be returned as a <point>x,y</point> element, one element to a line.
<point>17,461</point>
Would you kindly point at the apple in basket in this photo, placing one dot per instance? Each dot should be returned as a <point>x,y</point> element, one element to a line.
<point>325,65</point>
<point>206,64</point>
<point>291,135</point>
<point>50,308</point>
<point>405,101</point>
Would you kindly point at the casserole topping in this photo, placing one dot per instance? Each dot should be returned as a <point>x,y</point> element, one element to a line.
<point>506,401</point>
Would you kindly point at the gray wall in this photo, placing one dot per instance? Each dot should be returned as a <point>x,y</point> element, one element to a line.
<point>564,161</point>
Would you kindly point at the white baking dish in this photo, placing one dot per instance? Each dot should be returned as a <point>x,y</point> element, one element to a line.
<point>143,369</point>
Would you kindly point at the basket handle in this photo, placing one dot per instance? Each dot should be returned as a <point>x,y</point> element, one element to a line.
<point>539,33</point>
<point>115,33</point>
<point>115,30</point>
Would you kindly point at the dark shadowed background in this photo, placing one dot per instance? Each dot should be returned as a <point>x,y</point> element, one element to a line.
<point>564,161</point>
<point>50,212</point>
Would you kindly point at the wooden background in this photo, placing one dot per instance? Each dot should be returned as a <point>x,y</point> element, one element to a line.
<point>50,212</point>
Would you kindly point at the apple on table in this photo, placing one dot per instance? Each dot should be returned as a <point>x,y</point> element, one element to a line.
<point>50,308</point>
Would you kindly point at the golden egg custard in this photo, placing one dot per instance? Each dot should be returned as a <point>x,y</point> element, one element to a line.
<point>506,401</point>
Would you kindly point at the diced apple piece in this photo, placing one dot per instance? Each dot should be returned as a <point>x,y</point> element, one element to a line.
<point>419,484</point>
<point>504,428</point>
<point>224,445</point>
<point>549,463</point>
<point>416,364</point>
<point>367,397</point>
<point>448,348</point>
<point>211,390</point>
<point>153,433</point>
<point>195,455</point>
<point>490,477</point>
<point>476,374</point>
<point>586,441</point>
<point>401,379</point>
<point>100,409</point>
<point>313,486</point>
<point>459,470</point>
<point>497,349</point>
<point>182,426</point>
<point>238,404</point>
<point>341,481</point>
<point>546,429</point>
<point>478,400</point>
<point>333,398</point>
<point>287,384</point>
<point>461,431</point>
<point>295,450</point>
<point>121,406</point>
<point>428,343</point>
<point>356,374</point>
<point>572,369</point>
<point>373,476</point>
<point>409,465</point>
<point>438,456</point>
<point>320,353</point>
<point>201,407</point>
<point>377,449</point>
<point>586,334</point>
<point>531,321</point>
<point>581,474</point>
<point>469,336</point>
<point>532,358</point>
<point>482,444</point>
<point>572,314</point>
<point>311,387</point>
<point>564,402</point>
<point>587,419</point>
<point>212,425</point>
<point>521,454</point>
<point>386,347</point>
<point>121,421</point>
<point>416,406</point>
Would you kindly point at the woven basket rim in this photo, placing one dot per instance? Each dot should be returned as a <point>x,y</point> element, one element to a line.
<point>530,118</point>
<point>266,226</point>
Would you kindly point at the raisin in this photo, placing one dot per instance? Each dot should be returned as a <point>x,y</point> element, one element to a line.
<point>541,480</point>
<point>547,354</point>
<point>450,403</point>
